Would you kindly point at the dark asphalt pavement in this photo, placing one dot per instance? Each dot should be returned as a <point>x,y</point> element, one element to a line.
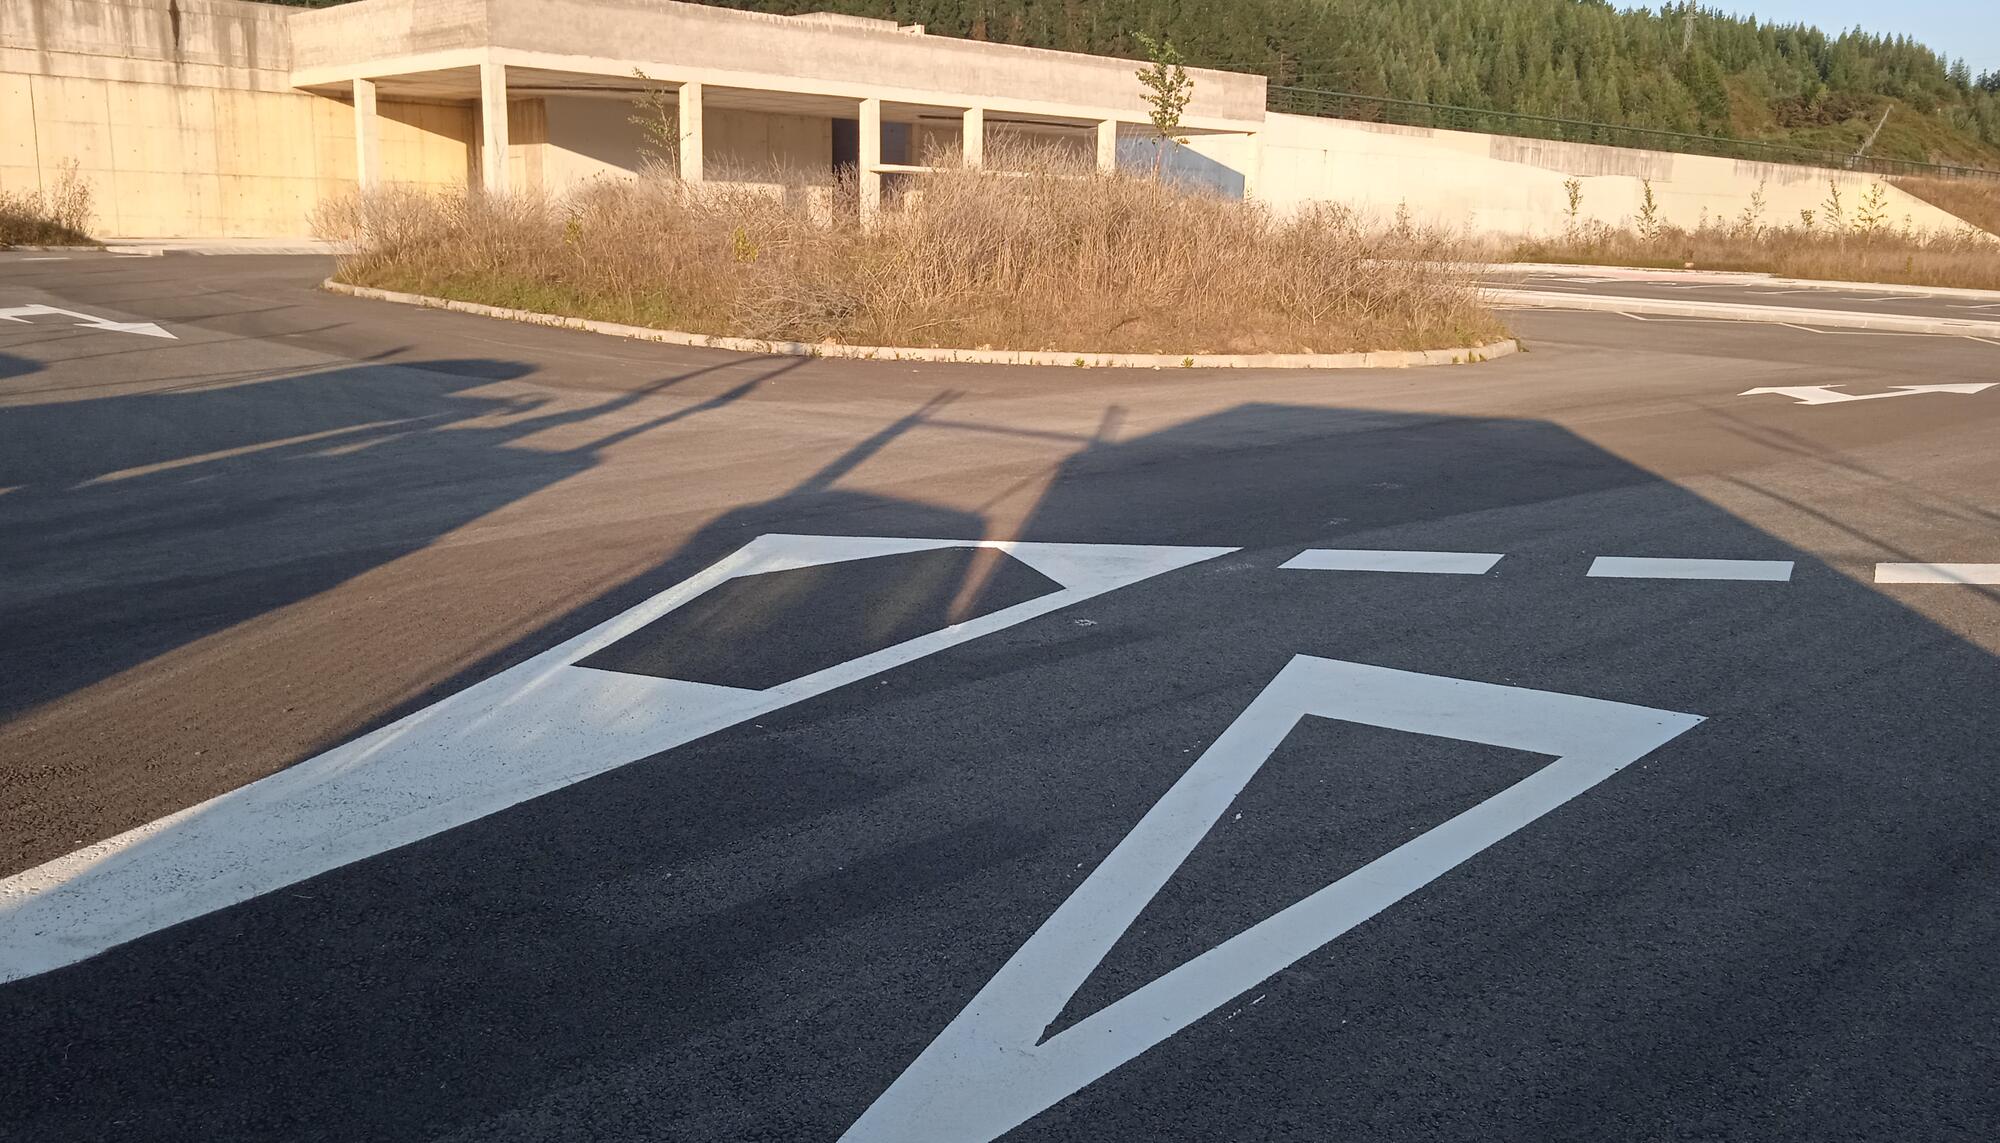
<point>308,517</point>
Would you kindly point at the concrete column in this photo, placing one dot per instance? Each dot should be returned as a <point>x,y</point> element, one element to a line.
<point>693,137</point>
<point>493,127</point>
<point>1107,146</point>
<point>367,136</point>
<point>974,136</point>
<point>870,159</point>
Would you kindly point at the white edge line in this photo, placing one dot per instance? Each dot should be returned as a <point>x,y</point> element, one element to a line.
<point>1645,567</point>
<point>1392,560</point>
<point>1958,574</point>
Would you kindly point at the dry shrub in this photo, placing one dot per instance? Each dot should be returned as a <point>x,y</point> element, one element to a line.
<point>1034,252</point>
<point>1854,252</point>
<point>1977,201</point>
<point>1921,259</point>
<point>59,216</point>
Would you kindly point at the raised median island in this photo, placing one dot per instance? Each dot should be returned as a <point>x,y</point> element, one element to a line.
<point>1033,259</point>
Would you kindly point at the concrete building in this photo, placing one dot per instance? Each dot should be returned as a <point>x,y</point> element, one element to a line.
<point>221,118</point>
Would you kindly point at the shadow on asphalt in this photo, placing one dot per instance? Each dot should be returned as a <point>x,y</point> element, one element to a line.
<point>12,366</point>
<point>386,457</point>
<point>750,936</point>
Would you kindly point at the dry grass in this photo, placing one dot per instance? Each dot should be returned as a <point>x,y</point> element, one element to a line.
<point>1044,256</point>
<point>1851,253</point>
<point>57,217</point>
<point>1977,201</point>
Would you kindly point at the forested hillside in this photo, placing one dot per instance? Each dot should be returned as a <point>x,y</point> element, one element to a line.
<point>1577,59</point>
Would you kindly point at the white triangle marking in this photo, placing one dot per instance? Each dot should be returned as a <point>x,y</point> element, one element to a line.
<point>990,1070</point>
<point>534,728</point>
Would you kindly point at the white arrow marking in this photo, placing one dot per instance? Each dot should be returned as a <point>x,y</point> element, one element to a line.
<point>86,321</point>
<point>1825,395</point>
<point>991,1070</point>
<point>528,730</point>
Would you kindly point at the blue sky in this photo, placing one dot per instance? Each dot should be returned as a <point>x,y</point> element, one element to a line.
<point>1952,28</point>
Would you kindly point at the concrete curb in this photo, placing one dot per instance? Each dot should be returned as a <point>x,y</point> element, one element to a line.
<point>1730,278</point>
<point>1392,359</point>
<point>1732,311</point>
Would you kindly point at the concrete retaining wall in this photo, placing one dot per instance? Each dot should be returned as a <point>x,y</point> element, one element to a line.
<point>1500,185</point>
<point>183,120</point>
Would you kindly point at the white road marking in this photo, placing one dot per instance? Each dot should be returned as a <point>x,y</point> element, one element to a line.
<point>534,728</point>
<point>991,1069</point>
<point>56,258</point>
<point>1368,559</point>
<point>1825,395</point>
<point>1644,567</point>
<point>1938,573</point>
<point>83,320</point>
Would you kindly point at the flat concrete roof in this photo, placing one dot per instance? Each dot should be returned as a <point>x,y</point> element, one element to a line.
<point>432,49</point>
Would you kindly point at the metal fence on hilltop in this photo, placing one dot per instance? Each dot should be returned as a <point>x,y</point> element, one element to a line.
<point>1375,109</point>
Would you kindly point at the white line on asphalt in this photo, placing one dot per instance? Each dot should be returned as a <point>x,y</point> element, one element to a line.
<point>1938,573</point>
<point>529,730</point>
<point>1369,559</point>
<point>991,1069</point>
<point>1644,567</point>
<point>58,258</point>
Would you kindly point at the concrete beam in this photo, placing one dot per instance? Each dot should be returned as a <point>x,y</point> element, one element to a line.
<point>493,127</point>
<point>974,137</point>
<point>693,142</point>
<point>1107,146</point>
<point>870,159</point>
<point>367,136</point>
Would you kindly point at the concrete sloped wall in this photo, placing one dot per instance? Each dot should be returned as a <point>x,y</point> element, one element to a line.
<point>1501,185</point>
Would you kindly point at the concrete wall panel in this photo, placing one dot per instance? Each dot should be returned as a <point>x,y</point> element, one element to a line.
<point>1497,185</point>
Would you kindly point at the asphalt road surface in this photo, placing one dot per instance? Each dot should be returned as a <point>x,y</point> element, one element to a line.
<point>1748,290</point>
<point>420,727</point>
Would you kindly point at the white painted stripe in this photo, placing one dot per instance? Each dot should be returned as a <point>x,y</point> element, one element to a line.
<point>1369,559</point>
<point>1937,573</point>
<point>529,730</point>
<point>1642,567</point>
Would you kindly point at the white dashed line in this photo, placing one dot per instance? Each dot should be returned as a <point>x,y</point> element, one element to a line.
<point>1938,573</point>
<point>1640,567</point>
<point>1365,559</point>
